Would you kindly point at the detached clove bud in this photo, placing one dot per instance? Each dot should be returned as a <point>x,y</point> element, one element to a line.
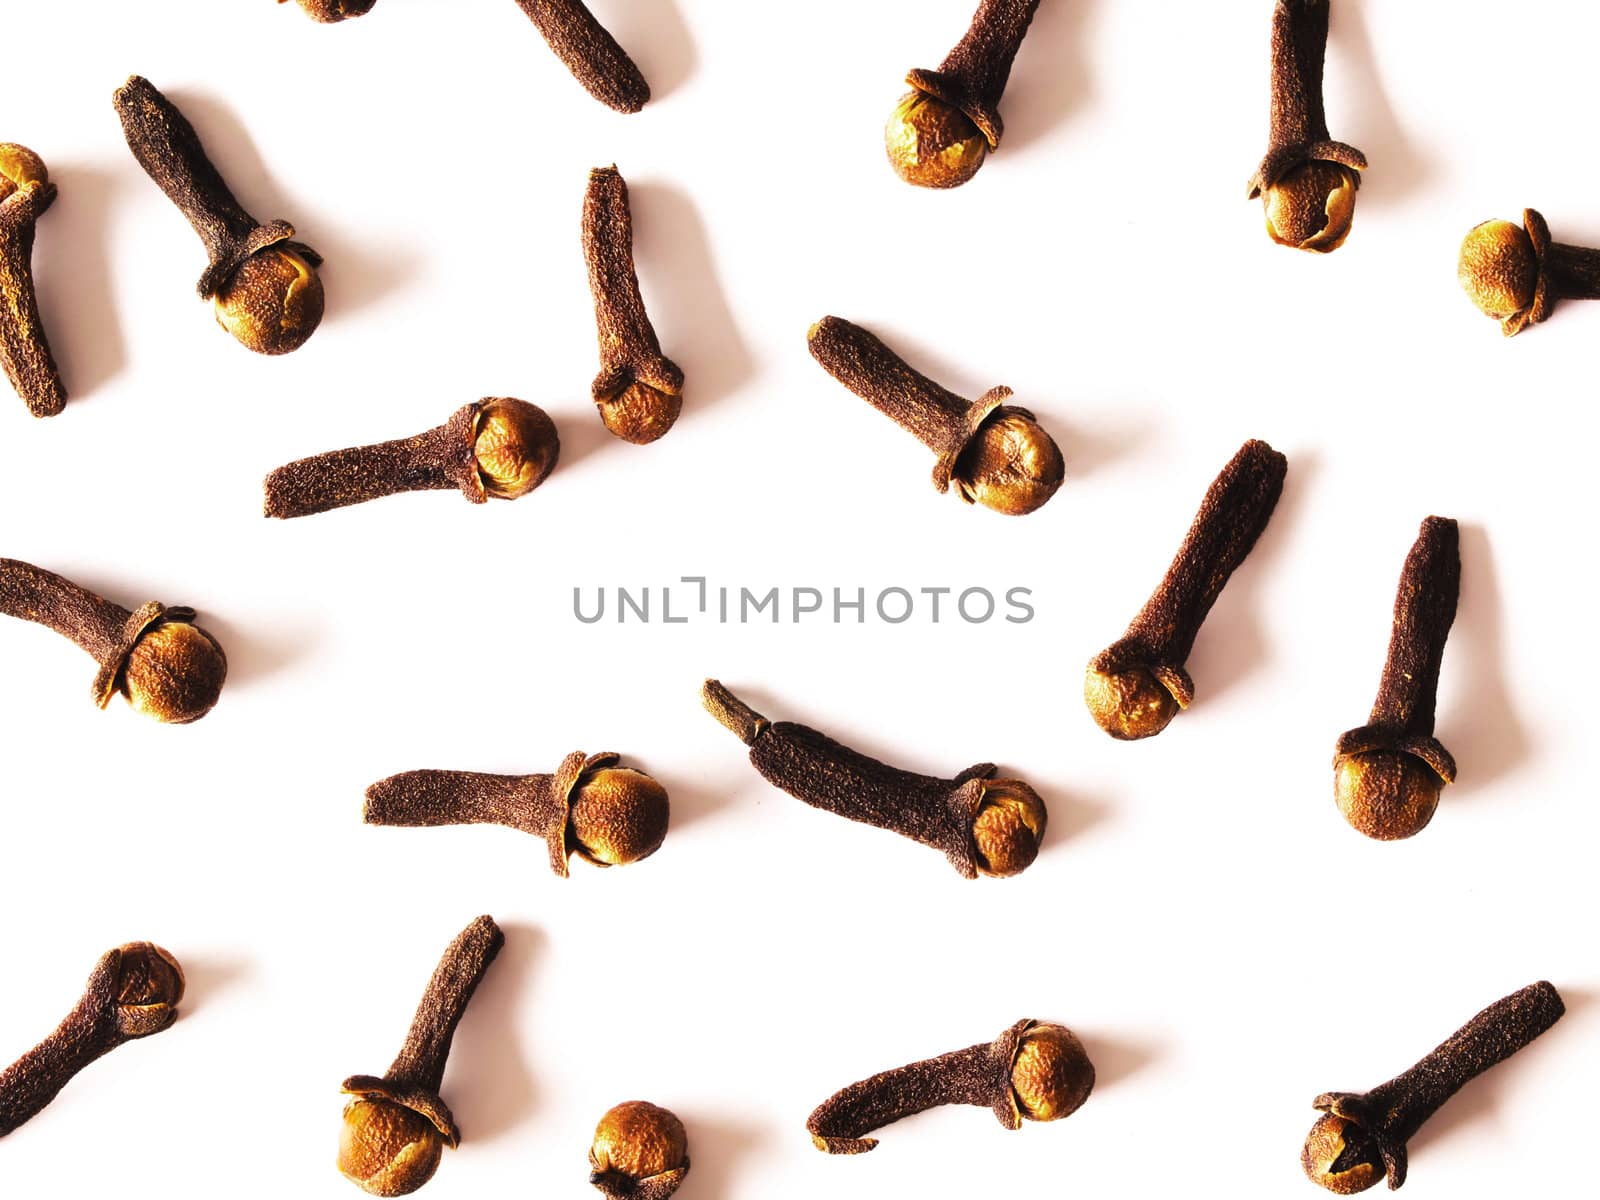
<point>640,1152</point>
<point>1307,182</point>
<point>1033,1070</point>
<point>25,193</point>
<point>589,52</point>
<point>1136,685</point>
<point>940,132</point>
<point>263,287</point>
<point>132,992</point>
<point>1362,1137</point>
<point>981,824</point>
<point>167,667</point>
<point>1517,275</point>
<point>335,10</point>
<point>996,454</point>
<point>639,390</point>
<point>498,447</point>
<point>1388,773</point>
<point>396,1129</point>
<point>606,814</point>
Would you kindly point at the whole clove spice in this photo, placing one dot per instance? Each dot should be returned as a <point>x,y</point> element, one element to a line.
<point>335,10</point>
<point>639,390</point>
<point>1388,773</point>
<point>396,1129</point>
<point>1362,1137</point>
<point>640,1151</point>
<point>589,52</point>
<point>605,814</point>
<point>1307,182</point>
<point>996,454</point>
<point>25,193</point>
<point>1033,1070</point>
<point>1517,275</point>
<point>263,287</point>
<point>132,992</point>
<point>983,825</point>
<point>165,665</point>
<point>1136,685</point>
<point>942,130</point>
<point>498,447</point>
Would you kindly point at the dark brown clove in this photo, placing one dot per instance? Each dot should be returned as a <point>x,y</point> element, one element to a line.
<point>983,825</point>
<point>940,132</point>
<point>1387,774</point>
<point>640,1152</point>
<point>639,390</point>
<point>132,992</point>
<point>1307,182</point>
<point>498,447</point>
<point>1517,275</point>
<point>589,52</point>
<point>335,10</point>
<point>263,287</point>
<point>165,665</point>
<point>396,1129</point>
<point>603,813</point>
<point>1136,685</point>
<point>996,454</point>
<point>1361,1138</point>
<point>25,193</point>
<point>1033,1070</point>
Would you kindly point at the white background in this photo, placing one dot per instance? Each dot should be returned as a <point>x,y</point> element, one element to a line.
<point>1226,947</point>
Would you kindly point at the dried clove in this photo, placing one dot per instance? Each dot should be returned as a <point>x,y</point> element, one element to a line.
<point>639,390</point>
<point>608,815</point>
<point>1136,685</point>
<point>335,10</point>
<point>1362,1137</point>
<point>263,287</point>
<point>1517,275</point>
<point>25,193</point>
<point>1033,1070</point>
<point>396,1129</point>
<point>1387,774</point>
<point>982,824</point>
<point>497,447</point>
<point>1307,182</point>
<point>132,992</point>
<point>640,1151</point>
<point>165,665</point>
<point>589,52</point>
<point>941,131</point>
<point>996,454</point>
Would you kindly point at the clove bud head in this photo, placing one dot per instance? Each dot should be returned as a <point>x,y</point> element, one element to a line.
<point>1129,705</point>
<point>335,10</point>
<point>1498,268</point>
<point>149,986</point>
<point>640,413</point>
<point>515,446</point>
<point>1008,828</point>
<point>388,1149</point>
<point>1340,1156</point>
<point>1311,206</point>
<point>19,167</point>
<point>933,144</point>
<point>1013,466</point>
<point>617,816</point>
<point>174,673</point>
<point>1386,794</point>
<point>1051,1075</point>
<point>637,1141</point>
<point>272,302</point>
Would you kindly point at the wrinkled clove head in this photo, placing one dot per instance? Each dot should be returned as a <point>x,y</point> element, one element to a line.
<point>634,1142</point>
<point>19,167</point>
<point>933,144</point>
<point>335,10</point>
<point>174,673</point>
<point>1129,704</point>
<point>618,816</point>
<point>1312,205</point>
<point>1341,1156</point>
<point>272,302</point>
<point>388,1149</point>
<point>515,445</point>
<point>1051,1075</point>
<point>1499,269</point>
<point>149,985</point>
<point>640,413</point>
<point>1387,794</point>
<point>1013,466</point>
<point>1009,827</point>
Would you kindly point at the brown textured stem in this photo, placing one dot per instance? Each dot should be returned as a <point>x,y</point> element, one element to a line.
<point>24,349</point>
<point>973,75</point>
<point>34,594</point>
<point>589,52</point>
<point>1297,123</point>
<point>1424,609</point>
<point>1574,271</point>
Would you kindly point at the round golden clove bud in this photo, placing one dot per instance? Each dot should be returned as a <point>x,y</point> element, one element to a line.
<point>1327,1160</point>
<point>272,302</point>
<point>618,816</point>
<point>1013,466</point>
<point>1386,794</point>
<point>329,11</point>
<point>933,144</point>
<point>19,167</point>
<point>174,673</point>
<point>1498,268</point>
<point>1051,1075</point>
<point>388,1149</point>
<point>1312,205</point>
<point>515,445</point>
<point>1129,704</point>
<point>1008,828</point>
<point>634,1142</point>
<point>149,985</point>
<point>641,413</point>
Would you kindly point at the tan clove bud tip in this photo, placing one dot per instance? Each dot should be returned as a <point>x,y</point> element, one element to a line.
<point>638,1141</point>
<point>1312,206</point>
<point>515,445</point>
<point>618,816</point>
<point>1129,704</point>
<point>388,1149</point>
<point>174,673</point>
<point>335,10</point>
<point>1009,827</point>
<point>1386,794</point>
<point>149,985</point>
<point>1013,466</point>
<point>1326,1162</point>
<point>19,167</point>
<point>1051,1075</point>
<point>272,303</point>
<point>933,144</point>
<point>640,413</point>
<point>1498,268</point>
